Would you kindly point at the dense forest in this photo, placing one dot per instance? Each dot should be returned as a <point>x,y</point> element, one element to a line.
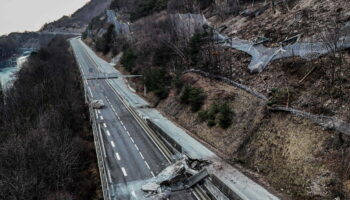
<point>7,48</point>
<point>46,146</point>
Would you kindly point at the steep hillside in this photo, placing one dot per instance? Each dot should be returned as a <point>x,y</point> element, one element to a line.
<point>231,110</point>
<point>79,20</point>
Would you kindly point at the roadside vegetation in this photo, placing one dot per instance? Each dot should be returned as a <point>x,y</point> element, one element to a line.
<point>296,157</point>
<point>46,146</point>
<point>220,114</point>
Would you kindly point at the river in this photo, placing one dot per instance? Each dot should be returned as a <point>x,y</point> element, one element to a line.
<point>11,66</point>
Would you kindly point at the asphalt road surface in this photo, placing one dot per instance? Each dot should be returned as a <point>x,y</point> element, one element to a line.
<point>130,156</point>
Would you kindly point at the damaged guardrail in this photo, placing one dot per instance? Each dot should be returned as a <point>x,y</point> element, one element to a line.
<point>182,175</point>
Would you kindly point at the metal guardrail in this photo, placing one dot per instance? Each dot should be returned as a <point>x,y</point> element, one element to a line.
<point>164,150</point>
<point>197,190</point>
<point>95,131</point>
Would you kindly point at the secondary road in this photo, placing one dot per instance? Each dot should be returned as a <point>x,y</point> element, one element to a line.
<point>130,156</point>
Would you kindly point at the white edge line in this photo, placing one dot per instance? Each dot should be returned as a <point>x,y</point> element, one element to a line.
<point>147,165</point>
<point>90,92</point>
<point>109,176</point>
<point>141,155</point>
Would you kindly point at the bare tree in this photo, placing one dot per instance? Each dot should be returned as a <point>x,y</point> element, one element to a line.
<point>332,39</point>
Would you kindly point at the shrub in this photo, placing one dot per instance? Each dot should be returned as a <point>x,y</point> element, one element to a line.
<point>194,97</point>
<point>128,59</point>
<point>157,80</point>
<point>213,111</point>
<point>107,41</point>
<point>280,96</point>
<point>211,123</point>
<point>162,56</point>
<point>194,48</point>
<point>100,44</point>
<point>147,7</point>
<point>221,114</point>
<point>225,116</point>
<point>203,115</point>
<point>178,82</point>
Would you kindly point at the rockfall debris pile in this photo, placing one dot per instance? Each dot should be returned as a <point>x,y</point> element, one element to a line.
<point>181,175</point>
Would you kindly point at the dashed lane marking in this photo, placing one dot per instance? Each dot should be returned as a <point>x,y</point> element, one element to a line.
<point>105,125</point>
<point>128,133</point>
<point>112,143</point>
<point>132,140</point>
<point>137,147</point>
<point>117,156</point>
<point>152,174</point>
<point>101,117</point>
<point>108,133</point>
<point>124,127</point>
<point>124,171</point>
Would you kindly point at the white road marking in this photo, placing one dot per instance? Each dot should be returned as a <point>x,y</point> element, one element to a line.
<point>105,125</point>
<point>112,143</point>
<point>99,112</point>
<point>141,155</point>
<point>124,127</point>
<point>124,171</point>
<point>90,92</point>
<point>128,133</point>
<point>108,133</point>
<point>103,146</point>
<point>96,113</point>
<point>117,155</point>
<point>133,193</point>
<point>101,117</point>
<point>122,122</point>
<point>147,165</point>
<point>152,174</point>
<point>132,140</point>
<point>109,176</point>
<point>137,147</point>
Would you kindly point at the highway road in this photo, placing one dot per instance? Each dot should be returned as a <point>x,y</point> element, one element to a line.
<point>130,157</point>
